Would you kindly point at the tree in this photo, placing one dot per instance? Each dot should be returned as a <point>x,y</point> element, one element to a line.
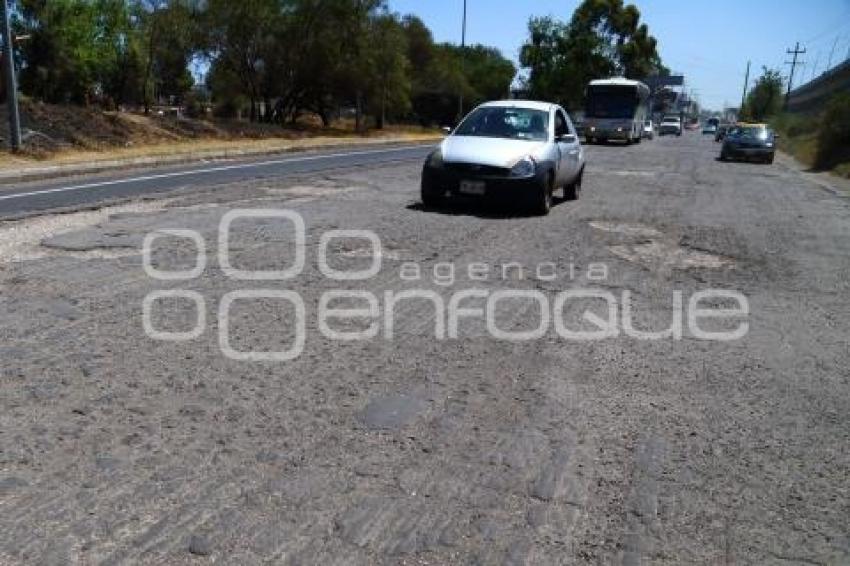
<point>437,75</point>
<point>79,50</point>
<point>765,99</point>
<point>240,36</point>
<point>603,38</point>
<point>488,73</point>
<point>277,58</point>
<point>543,55</point>
<point>391,86</point>
<point>169,38</point>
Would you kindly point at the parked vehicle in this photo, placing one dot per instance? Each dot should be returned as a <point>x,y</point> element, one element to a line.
<point>671,125</point>
<point>519,152</point>
<point>749,141</point>
<point>648,129</point>
<point>615,109</point>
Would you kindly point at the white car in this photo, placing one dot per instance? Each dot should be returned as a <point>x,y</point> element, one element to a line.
<point>515,151</point>
<point>670,125</point>
<point>648,130</point>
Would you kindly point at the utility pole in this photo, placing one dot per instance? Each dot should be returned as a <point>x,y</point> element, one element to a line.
<point>462,64</point>
<point>11,83</point>
<point>793,63</point>
<point>746,85</point>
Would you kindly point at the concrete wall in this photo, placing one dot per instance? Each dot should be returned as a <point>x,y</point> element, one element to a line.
<point>812,96</point>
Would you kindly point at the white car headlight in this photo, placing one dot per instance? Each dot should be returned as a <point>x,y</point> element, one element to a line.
<point>526,167</point>
<point>435,160</point>
<point>769,144</point>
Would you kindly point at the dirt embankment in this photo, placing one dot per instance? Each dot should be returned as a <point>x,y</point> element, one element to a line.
<point>50,130</point>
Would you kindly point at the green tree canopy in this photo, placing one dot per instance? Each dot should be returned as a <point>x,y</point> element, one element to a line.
<point>602,39</point>
<point>765,98</point>
<point>273,60</point>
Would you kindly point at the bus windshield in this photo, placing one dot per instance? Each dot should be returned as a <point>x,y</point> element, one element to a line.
<point>620,103</point>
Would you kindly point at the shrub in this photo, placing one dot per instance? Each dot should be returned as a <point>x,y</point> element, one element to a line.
<point>834,132</point>
<point>794,125</point>
<point>194,106</point>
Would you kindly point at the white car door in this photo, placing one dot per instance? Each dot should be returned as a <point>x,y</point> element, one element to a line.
<point>569,146</point>
<point>565,142</point>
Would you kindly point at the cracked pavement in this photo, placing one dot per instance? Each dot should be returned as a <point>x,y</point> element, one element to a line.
<point>115,448</point>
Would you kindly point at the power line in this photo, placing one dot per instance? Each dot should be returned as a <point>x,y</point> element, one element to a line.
<point>841,23</point>
<point>815,66</point>
<point>797,51</point>
<point>831,53</point>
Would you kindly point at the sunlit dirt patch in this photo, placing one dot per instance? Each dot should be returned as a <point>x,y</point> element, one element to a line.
<point>311,191</point>
<point>664,254</point>
<point>628,229</point>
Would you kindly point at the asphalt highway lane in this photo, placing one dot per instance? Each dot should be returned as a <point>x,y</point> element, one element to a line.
<point>86,191</point>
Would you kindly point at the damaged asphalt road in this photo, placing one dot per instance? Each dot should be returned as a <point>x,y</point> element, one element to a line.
<point>116,448</point>
<point>23,199</point>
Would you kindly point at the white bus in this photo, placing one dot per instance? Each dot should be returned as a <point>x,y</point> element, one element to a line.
<point>615,109</point>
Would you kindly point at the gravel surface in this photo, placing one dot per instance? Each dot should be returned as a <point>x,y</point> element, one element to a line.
<point>116,448</point>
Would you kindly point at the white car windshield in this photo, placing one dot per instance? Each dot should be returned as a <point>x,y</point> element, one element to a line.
<point>506,122</point>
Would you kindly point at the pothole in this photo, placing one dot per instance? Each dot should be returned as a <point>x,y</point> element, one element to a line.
<point>656,253</point>
<point>629,229</point>
<point>20,240</point>
<point>652,248</point>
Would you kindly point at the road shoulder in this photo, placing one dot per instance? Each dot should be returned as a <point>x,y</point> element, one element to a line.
<point>829,182</point>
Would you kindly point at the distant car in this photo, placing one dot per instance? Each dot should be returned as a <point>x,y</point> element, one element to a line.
<point>709,128</point>
<point>648,129</point>
<point>749,141</point>
<point>670,125</point>
<point>515,151</point>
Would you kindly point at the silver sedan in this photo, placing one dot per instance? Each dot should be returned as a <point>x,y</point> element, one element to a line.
<point>515,151</point>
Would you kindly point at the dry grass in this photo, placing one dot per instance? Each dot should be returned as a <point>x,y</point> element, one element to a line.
<point>199,148</point>
<point>68,135</point>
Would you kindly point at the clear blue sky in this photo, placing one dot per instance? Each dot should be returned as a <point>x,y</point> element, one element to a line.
<point>708,40</point>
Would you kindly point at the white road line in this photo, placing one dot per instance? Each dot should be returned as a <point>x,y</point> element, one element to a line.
<point>208,170</point>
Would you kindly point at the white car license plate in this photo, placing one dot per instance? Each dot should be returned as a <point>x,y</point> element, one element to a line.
<point>473,187</point>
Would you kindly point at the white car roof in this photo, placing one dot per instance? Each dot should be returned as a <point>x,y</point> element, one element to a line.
<point>530,104</point>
